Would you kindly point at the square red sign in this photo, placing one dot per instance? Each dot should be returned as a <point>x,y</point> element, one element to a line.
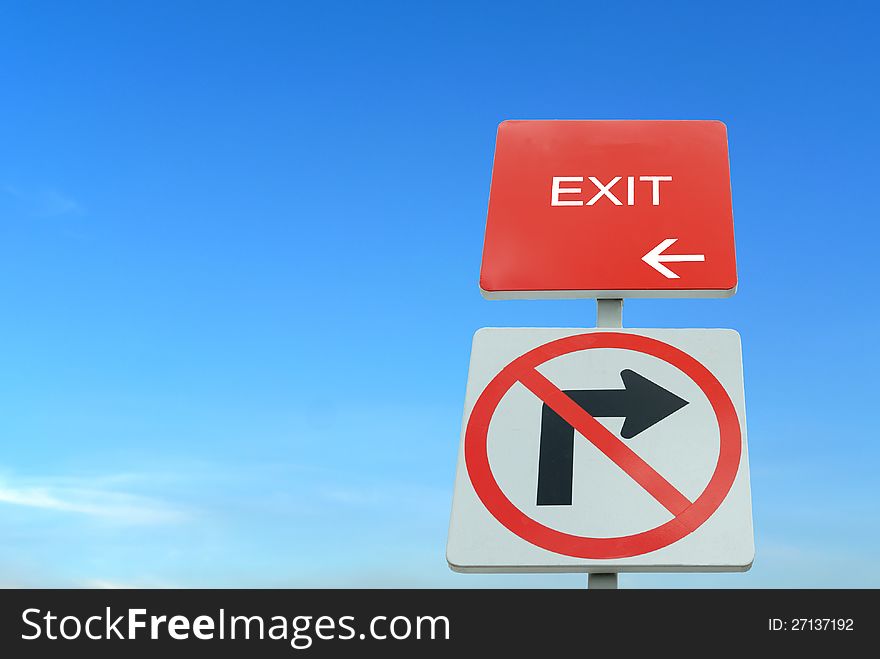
<point>610,209</point>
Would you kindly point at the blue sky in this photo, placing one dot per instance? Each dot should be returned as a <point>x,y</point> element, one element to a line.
<point>239,253</point>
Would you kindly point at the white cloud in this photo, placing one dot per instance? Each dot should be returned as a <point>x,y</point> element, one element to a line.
<point>88,498</point>
<point>109,584</point>
<point>353,496</point>
<point>53,203</point>
<point>41,202</point>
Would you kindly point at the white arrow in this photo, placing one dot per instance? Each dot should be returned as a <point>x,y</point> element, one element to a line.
<point>656,258</point>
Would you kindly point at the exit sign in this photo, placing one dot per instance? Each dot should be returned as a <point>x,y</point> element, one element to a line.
<point>609,209</point>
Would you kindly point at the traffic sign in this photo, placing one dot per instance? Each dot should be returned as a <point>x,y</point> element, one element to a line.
<point>593,450</point>
<point>609,209</point>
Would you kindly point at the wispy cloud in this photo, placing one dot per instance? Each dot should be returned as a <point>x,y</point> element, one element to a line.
<point>110,584</point>
<point>88,498</point>
<point>353,496</point>
<point>41,202</point>
<point>366,494</point>
<point>53,203</point>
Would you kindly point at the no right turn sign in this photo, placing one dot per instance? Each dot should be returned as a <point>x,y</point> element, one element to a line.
<point>603,450</point>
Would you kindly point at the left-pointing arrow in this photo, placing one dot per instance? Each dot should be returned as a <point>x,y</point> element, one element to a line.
<point>656,258</point>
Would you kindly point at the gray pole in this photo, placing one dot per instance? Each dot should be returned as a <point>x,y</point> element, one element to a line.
<point>602,581</point>
<point>609,313</point>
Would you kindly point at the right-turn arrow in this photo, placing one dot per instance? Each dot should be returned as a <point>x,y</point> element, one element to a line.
<point>656,258</point>
<point>641,403</point>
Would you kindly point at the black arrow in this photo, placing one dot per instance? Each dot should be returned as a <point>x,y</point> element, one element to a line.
<point>641,402</point>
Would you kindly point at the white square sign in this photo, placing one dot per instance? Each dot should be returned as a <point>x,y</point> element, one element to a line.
<point>603,450</point>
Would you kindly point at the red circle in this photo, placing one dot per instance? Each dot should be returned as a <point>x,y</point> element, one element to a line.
<point>496,502</point>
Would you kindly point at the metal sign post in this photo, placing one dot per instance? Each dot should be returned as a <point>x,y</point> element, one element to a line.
<point>609,313</point>
<point>602,581</point>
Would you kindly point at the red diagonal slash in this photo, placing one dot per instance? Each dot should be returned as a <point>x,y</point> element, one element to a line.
<point>618,452</point>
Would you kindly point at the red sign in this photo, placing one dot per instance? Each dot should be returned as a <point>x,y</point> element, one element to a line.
<point>610,209</point>
<point>688,515</point>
